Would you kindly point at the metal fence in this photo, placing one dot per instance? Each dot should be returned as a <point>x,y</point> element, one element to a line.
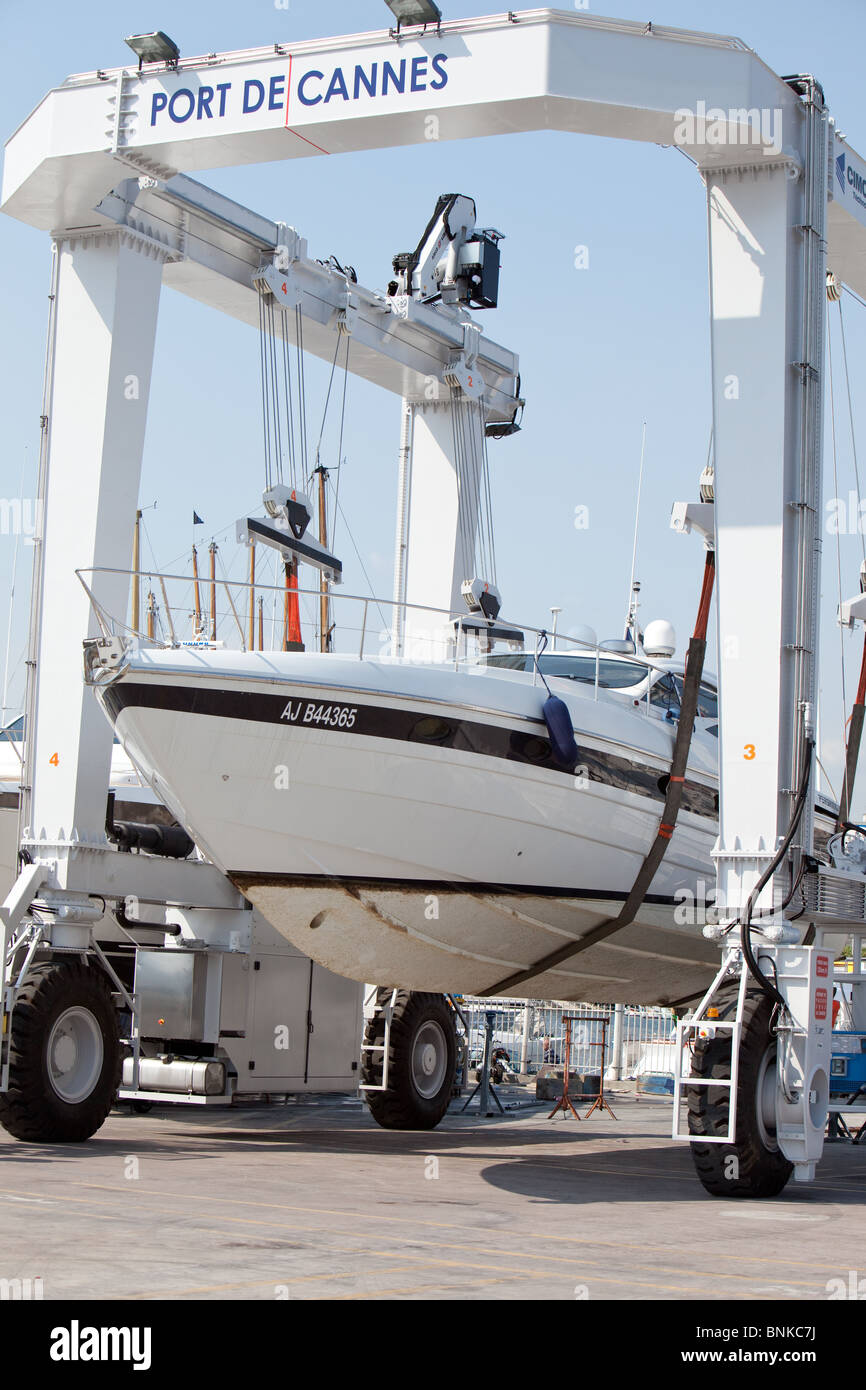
<point>638,1039</point>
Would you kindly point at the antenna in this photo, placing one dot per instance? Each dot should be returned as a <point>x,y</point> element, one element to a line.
<point>632,603</point>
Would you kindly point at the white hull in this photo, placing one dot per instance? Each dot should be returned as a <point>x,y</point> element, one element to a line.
<point>388,857</point>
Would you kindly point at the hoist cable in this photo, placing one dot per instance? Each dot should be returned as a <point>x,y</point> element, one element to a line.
<point>278,427</point>
<point>302,393</point>
<point>290,406</point>
<point>464,538</point>
<point>265,395</point>
<point>339,468</point>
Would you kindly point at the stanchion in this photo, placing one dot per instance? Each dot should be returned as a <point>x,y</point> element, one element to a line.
<point>484,1085</point>
<point>564,1102</point>
<point>600,1103</point>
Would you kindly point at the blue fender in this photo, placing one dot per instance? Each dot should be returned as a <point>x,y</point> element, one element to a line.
<point>561,731</point>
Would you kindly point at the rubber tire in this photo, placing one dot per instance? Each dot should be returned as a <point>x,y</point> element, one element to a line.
<point>31,1109</point>
<point>762,1171</point>
<point>402,1106</point>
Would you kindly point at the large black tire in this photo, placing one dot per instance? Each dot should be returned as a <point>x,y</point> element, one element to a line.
<point>65,1058</point>
<point>754,1166</point>
<point>422,1061</point>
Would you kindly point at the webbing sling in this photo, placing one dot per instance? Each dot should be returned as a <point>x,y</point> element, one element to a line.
<point>673,798</point>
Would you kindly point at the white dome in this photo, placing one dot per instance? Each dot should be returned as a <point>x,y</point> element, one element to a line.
<point>584,633</point>
<point>659,639</point>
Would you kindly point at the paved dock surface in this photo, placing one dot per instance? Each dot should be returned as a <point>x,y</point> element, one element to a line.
<point>314,1201</point>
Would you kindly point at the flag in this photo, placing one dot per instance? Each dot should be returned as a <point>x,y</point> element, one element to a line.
<point>196,519</point>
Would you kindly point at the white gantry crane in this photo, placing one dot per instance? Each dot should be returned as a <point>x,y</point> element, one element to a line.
<point>103,165</point>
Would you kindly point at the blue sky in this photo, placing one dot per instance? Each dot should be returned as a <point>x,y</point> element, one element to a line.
<point>602,348</point>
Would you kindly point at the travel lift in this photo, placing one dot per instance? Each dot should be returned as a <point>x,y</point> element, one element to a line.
<point>221,1005</point>
<point>101,164</point>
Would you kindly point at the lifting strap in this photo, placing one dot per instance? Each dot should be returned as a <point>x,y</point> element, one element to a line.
<point>673,797</point>
<point>855,733</point>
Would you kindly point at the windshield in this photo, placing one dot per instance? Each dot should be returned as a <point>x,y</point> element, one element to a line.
<point>612,674</point>
<point>668,694</point>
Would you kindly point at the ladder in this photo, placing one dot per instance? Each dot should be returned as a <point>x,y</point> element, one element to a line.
<point>704,1024</point>
<point>383,1047</point>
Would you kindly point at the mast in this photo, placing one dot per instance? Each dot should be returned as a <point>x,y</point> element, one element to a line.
<point>196,594</point>
<point>324,588</point>
<point>136,565</point>
<point>251,621</point>
<point>261,624</point>
<point>212,550</point>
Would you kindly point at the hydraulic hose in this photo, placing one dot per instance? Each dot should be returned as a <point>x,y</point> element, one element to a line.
<point>746,924</point>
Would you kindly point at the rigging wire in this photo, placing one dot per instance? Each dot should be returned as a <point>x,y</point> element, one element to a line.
<point>851,422</point>
<point>636,525</point>
<point>327,401</point>
<point>385,625</point>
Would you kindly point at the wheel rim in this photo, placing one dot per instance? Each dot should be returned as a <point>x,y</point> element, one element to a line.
<point>765,1099</point>
<point>74,1054</point>
<point>429,1059</point>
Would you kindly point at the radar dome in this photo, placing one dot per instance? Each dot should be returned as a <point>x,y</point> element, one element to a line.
<point>584,633</point>
<point>660,640</point>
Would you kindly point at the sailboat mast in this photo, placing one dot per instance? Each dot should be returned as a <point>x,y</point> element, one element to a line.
<point>251,626</point>
<point>196,594</point>
<point>212,550</point>
<point>136,566</point>
<point>324,590</point>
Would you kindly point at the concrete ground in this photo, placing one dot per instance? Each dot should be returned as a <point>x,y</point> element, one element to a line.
<point>313,1201</point>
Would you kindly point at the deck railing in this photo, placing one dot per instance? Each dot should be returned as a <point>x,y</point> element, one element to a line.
<point>228,611</point>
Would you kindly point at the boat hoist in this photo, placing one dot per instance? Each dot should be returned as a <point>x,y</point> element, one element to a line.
<point>102,163</point>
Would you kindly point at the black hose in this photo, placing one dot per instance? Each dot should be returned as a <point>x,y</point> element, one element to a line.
<point>746,924</point>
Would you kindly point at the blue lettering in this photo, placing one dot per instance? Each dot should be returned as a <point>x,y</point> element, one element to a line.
<point>275,93</point>
<point>389,73</point>
<point>419,70</point>
<point>309,101</point>
<point>369,82</point>
<point>337,86</point>
<point>249,98</point>
<point>190,96</point>
<point>439,68</point>
<point>160,102</point>
<point>222,88</point>
<point>205,97</point>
